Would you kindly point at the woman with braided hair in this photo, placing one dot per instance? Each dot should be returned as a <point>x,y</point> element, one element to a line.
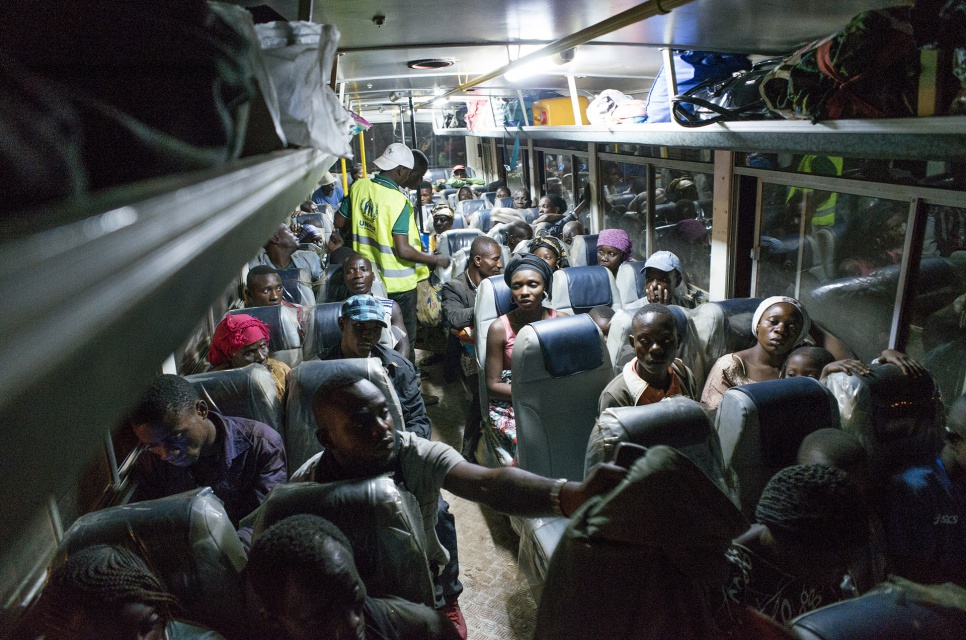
<point>812,522</point>
<point>105,592</point>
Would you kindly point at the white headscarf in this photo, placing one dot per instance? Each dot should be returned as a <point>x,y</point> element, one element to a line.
<point>806,321</point>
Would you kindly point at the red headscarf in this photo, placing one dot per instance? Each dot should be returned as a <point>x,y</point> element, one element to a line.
<point>233,333</point>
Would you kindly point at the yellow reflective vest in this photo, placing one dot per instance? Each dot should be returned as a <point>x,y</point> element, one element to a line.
<point>375,208</point>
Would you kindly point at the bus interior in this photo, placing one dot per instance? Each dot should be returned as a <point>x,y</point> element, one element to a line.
<point>110,279</point>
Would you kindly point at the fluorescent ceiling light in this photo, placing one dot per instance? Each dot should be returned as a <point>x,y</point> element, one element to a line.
<point>537,67</point>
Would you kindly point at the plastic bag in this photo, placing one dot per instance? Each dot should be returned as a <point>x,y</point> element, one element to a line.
<point>429,303</point>
<point>297,55</point>
<point>691,68</point>
<point>601,108</point>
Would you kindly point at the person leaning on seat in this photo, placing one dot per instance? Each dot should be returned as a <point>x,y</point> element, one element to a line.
<point>282,252</point>
<point>384,230</point>
<point>191,446</point>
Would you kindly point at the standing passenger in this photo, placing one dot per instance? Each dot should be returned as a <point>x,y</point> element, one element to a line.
<point>329,192</point>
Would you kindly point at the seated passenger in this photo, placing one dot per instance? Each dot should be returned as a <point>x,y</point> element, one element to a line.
<point>303,574</point>
<point>842,450</point>
<point>465,193</point>
<point>263,287</point>
<point>570,230</point>
<point>502,192</point>
<point>358,276</point>
<point>308,207</point>
<point>425,192</point>
<point>105,592</point>
<point>330,191</point>
<point>517,231</point>
<point>310,234</point>
<point>662,278</point>
<point>282,252</point>
<point>551,209</point>
<point>613,248</point>
<point>550,249</point>
<point>811,521</point>
<point>362,320</point>
<point>779,324</point>
<point>459,171</point>
<point>240,340</point>
<point>655,373</point>
<point>818,363</point>
<point>443,218</point>
<point>530,280</point>
<point>192,446</point>
<point>602,315</point>
<point>926,512</point>
<point>521,199</point>
<point>359,440</point>
<point>459,308</point>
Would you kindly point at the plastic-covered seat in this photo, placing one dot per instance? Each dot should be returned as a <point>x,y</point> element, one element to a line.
<point>322,330</point>
<point>719,328</point>
<point>761,426</point>
<point>493,299</point>
<point>580,289</point>
<point>300,427</point>
<point>469,207</point>
<point>489,197</point>
<point>455,244</point>
<point>895,609</point>
<point>560,367</point>
<point>296,287</point>
<point>583,251</point>
<point>332,283</point>
<point>188,542</point>
<point>285,332</point>
<point>382,523</point>
<point>504,203</point>
<point>630,280</point>
<point>246,392</point>
<point>618,343</point>
<point>899,419</point>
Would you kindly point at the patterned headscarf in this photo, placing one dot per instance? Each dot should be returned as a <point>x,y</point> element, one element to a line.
<point>544,239</point>
<point>233,333</point>
<point>806,321</point>
<point>616,238</point>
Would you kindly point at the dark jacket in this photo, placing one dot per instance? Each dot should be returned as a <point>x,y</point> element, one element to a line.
<point>405,381</point>
<point>459,300</point>
<point>251,464</point>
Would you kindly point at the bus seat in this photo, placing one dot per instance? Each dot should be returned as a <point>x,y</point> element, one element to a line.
<point>761,426</point>
<point>639,563</point>
<point>448,191</point>
<point>333,285</point>
<point>630,281</point>
<point>504,203</point>
<point>246,392</point>
<point>383,524</point>
<point>678,422</point>
<point>489,197</point>
<point>468,207</point>
<point>481,219</point>
<point>297,289</point>
<point>560,367</point>
<point>583,251</point>
<point>451,200</point>
<point>580,289</point>
<point>300,426</point>
<point>898,419</point>
<point>188,542</point>
<point>452,244</point>
<point>493,300</point>
<point>621,201</point>
<point>378,285</point>
<point>618,343</point>
<point>322,331</point>
<point>285,337</point>
<point>530,214</point>
<point>719,328</point>
<point>896,608</point>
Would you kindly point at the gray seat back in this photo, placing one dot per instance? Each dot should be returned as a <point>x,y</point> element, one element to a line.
<point>188,541</point>
<point>468,207</point>
<point>322,330</point>
<point>299,432</point>
<point>761,426</point>
<point>248,392</point>
<point>297,286</point>
<point>382,523</point>
<point>560,367</point>
<point>899,419</point>
<point>455,243</point>
<point>580,289</point>
<point>620,330</point>
<point>583,251</point>
<point>285,331</point>
<point>719,328</point>
<point>630,281</point>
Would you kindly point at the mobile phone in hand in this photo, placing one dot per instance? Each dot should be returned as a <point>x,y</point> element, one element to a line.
<point>627,454</point>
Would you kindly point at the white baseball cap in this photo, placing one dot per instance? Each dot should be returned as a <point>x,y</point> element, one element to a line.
<point>395,155</point>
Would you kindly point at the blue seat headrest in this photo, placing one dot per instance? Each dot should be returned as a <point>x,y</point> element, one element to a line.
<point>570,344</point>
<point>327,331</point>
<point>590,249</point>
<point>489,196</point>
<point>458,223</point>
<point>639,281</point>
<point>788,410</point>
<point>504,203</point>
<point>486,220</point>
<point>460,240</point>
<point>290,283</point>
<point>502,296</point>
<point>272,316</point>
<point>588,287</point>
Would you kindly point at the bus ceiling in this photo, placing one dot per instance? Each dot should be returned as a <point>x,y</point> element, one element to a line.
<point>379,38</point>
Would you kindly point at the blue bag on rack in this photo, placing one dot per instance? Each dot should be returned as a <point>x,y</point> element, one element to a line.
<point>691,68</point>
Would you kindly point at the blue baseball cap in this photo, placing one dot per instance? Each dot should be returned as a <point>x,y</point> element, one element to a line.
<point>663,261</point>
<point>364,308</point>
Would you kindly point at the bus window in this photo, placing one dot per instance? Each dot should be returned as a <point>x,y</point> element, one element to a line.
<point>937,335</point>
<point>682,222</point>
